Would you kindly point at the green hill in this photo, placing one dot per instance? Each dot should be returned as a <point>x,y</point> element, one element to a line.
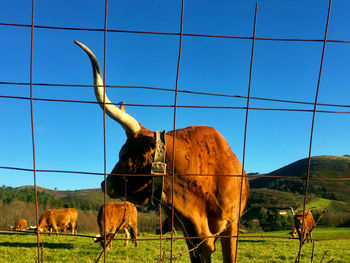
<point>85,199</point>
<point>273,199</point>
<point>330,167</point>
<point>280,193</point>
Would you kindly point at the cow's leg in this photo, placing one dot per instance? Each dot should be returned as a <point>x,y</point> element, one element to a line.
<point>200,249</point>
<point>127,237</point>
<point>300,236</point>
<point>54,226</point>
<point>73,228</point>
<point>229,244</point>
<point>199,252</point>
<point>309,237</point>
<point>304,237</point>
<point>133,232</point>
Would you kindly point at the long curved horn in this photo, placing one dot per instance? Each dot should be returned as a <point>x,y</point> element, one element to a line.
<point>292,210</point>
<point>308,211</point>
<point>129,124</point>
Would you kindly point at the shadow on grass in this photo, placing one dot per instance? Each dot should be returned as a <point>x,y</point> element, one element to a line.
<point>17,233</point>
<point>30,245</point>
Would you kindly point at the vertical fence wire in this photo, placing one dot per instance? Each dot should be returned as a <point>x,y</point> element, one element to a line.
<point>33,133</point>
<point>104,130</point>
<point>245,128</point>
<point>174,127</point>
<point>312,131</point>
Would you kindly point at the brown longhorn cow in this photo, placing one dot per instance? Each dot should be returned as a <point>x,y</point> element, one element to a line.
<point>300,228</point>
<point>57,219</point>
<point>21,225</point>
<point>119,217</point>
<point>210,188</point>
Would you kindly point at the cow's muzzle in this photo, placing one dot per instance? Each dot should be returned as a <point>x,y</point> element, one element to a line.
<point>112,188</point>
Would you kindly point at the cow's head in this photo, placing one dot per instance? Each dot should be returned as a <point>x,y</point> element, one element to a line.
<point>136,155</point>
<point>43,228</point>
<point>294,232</point>
<point>43,223</point>
<point>101,240</point>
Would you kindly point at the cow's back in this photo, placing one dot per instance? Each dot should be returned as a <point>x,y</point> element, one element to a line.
<point>63,216</point>
<point>310,222</point>
<point>118,215</point>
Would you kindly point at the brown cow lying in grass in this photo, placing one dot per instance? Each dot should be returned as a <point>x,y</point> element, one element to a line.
<point>58,219</point>
<point>300,229</point>
<point>119,216</point>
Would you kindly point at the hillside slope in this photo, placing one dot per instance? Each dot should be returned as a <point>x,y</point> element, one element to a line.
<point>86,199</point>
<point>330,167</point>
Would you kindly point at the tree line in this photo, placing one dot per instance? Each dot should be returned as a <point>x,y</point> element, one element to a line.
<point>9,194</point>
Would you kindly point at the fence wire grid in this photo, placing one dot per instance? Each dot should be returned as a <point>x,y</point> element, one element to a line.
<point>300,106</point>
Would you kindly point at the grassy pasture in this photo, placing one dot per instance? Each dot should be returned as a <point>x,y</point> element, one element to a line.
<point>17,247</point>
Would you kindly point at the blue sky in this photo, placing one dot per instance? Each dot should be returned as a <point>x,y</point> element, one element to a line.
<point>69,136</point>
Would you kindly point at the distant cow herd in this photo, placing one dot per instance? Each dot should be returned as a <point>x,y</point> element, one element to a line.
<point>114,217</point>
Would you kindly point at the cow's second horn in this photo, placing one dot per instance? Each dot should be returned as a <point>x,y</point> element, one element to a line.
<point>129,124</point>
<point>308,211</point>
<point>291,208</point>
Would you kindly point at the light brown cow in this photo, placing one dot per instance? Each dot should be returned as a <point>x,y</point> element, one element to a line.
<point>119,217</point>
<point>21,225</point>
<point>57,219</point>
<point>303,230</point>
<point>210,187</point>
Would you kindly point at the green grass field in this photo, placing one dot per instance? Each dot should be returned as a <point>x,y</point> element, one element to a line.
<point>18,247</point>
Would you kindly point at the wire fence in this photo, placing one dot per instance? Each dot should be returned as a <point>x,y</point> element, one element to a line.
<point>313,108</point>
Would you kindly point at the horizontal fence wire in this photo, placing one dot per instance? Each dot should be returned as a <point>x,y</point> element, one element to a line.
<point>245,236</point>
<point>174,33</point>
<point>177,106</point>
<point>223,175</point>
<point>165,89</point>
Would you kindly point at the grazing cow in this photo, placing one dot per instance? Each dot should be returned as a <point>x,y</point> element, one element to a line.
<point>58,219</point>
<point>210,187</point>
<point>119,216</point>
<point>303,231</point>
<point>21,225</point>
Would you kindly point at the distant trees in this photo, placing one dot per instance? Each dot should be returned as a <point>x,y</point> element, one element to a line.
<point>272,220</point>
<point>9,194</point>
<point>268,220</point>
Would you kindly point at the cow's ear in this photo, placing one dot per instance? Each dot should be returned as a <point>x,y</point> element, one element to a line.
<point>147,143</point>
